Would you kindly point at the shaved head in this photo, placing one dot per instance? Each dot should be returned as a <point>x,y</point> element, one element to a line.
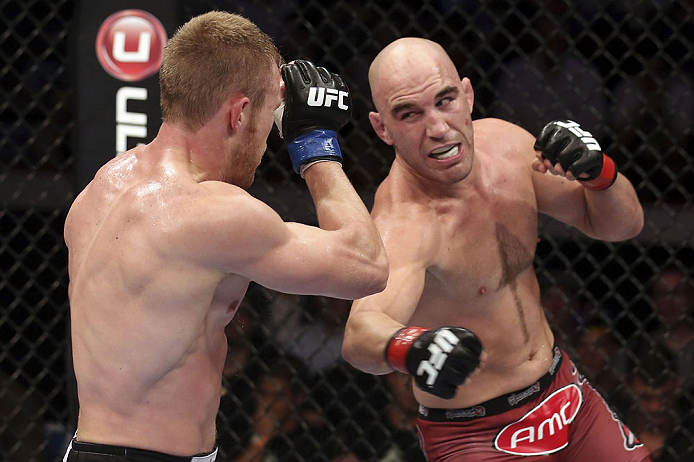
<point>402,61</point>
<point>423,110</point>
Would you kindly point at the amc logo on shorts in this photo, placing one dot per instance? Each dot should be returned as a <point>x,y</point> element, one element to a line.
<point>545,429</point>
<point>130,44</point>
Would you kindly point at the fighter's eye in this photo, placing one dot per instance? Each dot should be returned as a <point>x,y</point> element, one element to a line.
<point>444,102</point>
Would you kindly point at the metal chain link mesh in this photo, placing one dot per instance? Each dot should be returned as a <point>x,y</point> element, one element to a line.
<point>623,69</point>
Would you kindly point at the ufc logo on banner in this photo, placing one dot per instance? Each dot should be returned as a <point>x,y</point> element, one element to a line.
<point>443,343</point>
<point>585,136</point>
<point>130,45</point>
<point>320,96</point>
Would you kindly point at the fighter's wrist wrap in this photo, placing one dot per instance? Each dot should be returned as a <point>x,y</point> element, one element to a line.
<point>606,178</point>
<point>399,345</point>
<point>319,144</point>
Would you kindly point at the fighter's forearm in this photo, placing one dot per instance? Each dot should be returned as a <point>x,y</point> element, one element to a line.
<point>339,207</point>
<point>337,203</point>
<point>366,336</point>
<point>614,214</point>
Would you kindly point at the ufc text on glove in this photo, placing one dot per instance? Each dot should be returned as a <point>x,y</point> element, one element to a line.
<point>578,152</point>
<point>439,360</point>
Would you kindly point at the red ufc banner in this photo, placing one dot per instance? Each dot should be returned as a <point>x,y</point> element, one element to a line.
<point>118,48</point>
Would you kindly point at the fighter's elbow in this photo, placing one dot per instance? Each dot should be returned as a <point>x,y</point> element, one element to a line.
<point>637,225</point>
<point>623,225</point>
<point>350,344</point>
<point>358,362</point>
<point>348,353</point>
<point>630,221</point>
<point>630,228</point>
<point>353,353</point>
<point>372,276</point>
<point>381,270</point>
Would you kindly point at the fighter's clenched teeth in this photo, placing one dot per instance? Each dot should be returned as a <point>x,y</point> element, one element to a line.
<point>444,152</point>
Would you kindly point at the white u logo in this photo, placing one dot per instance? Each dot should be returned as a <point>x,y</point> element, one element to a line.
<point>139,56</point>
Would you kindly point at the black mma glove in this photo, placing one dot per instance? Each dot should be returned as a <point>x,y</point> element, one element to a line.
<point>316,105</point>
<point>576,150</point>
<point>440,360</point>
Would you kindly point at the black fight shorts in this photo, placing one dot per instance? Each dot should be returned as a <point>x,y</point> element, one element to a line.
<point>558,418</point>
<point>78,451</point>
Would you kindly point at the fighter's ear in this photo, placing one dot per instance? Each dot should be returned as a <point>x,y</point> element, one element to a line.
<point>238,108</point>
<point>380,127</point>
<point>468,92</point>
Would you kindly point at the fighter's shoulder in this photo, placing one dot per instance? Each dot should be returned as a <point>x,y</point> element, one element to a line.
<point>96,197</point>
<point>72,221</point>
<point>222,189</point>
<point>499,130</point>
<point>492,123</point>
<point>216,194</point>
<point>394,202</point>
<point>400,212</point>
<point>219,211</point>
<point>501,137</point>
<point>406,224</point>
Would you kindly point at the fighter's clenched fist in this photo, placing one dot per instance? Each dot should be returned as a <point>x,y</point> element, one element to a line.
<point>317,104</point>
<point>564,142</point>
<point>439,360</point>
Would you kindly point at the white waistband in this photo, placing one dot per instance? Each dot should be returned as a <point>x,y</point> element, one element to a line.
<point>208,458</point>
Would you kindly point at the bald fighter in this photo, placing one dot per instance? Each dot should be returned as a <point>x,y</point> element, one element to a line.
<point>164,240</point>
<point>458,214</point>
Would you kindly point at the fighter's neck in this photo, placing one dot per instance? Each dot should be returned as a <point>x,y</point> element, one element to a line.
<point>192,150</point>
<point>404,178</point>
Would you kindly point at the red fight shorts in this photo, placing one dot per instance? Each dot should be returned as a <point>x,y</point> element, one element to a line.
<point>559,418</point>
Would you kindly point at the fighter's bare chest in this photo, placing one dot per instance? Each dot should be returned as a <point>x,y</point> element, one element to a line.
<point>485,244</point>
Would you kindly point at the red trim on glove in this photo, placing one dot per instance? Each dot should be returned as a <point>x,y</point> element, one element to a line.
<point>399,345</point>
<point>607,177</point>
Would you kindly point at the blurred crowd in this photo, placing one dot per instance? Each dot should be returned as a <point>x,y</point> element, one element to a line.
<point>642,367</point>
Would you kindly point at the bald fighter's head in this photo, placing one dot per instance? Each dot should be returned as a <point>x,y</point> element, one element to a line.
<point>404,59</point>
<point>423,109</point>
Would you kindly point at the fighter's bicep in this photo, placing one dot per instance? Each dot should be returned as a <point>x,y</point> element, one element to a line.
<point>306,260</point>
